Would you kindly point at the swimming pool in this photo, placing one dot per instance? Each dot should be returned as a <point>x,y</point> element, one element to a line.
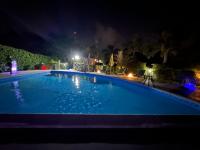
<point>60,92</point>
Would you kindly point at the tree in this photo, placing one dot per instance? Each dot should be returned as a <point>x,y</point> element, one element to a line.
<point>111,62</point>
<point>166,46</point>
<point>120,58</point>
<point>93,52</point>
<point>129,49</point>
<point>106,53</point>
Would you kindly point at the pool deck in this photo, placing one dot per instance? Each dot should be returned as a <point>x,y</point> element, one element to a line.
<point>20,73</point>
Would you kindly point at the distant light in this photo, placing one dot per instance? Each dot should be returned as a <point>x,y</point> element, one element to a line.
<point>73,58</point>
<point>98,71</point>
<point>130,75</point>
<point>77,57</point>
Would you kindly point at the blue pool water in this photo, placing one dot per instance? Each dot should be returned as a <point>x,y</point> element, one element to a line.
<point>75,93</point>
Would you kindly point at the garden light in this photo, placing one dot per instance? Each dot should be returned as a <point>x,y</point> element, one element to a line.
<point>14,66</point>
<point>198,75</point>
<point>130,75</point>
<point>98,71</point>
<point>149,70</point>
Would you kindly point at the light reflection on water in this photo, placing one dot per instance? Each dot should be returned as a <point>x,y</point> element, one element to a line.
<point>76,81</point>
<point>95,80</point>
<point>17,91</point>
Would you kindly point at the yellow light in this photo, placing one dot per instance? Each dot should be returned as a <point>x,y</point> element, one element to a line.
<point>130,75</point>
<point>150,70</point>
<point>98,71</point>
<point>198,75</point>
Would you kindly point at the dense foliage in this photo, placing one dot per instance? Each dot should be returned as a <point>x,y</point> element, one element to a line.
<point>25,59</point>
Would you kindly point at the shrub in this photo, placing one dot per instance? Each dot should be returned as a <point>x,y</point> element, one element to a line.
<point>165,74</point>
<point>186,75</point>
<point>140,72</point>
<point>25,60</point>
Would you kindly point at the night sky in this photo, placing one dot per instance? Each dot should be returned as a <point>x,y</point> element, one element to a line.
<point>49,26</point>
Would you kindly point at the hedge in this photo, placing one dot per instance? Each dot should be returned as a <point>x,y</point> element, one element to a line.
<point>174,75</point>
<point>25,60</point>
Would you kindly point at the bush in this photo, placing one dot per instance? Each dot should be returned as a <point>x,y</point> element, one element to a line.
<point>165,74</point>
<point>140,72</point>
<point>186,75</point>
<point>25,60</point>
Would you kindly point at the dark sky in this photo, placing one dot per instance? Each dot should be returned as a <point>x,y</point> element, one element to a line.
<point>47,25</point>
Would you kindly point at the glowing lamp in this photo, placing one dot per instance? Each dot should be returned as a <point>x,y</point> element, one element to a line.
<point>98,71</point>
<point>190,86</point>
<point>130,75</point>
<point>14,66</point>
<point>198,75</point>
<point>77,57</point>
<point>149,70</point>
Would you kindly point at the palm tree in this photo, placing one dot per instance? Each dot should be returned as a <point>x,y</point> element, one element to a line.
<point>120,58</point>
<point>111,62</point>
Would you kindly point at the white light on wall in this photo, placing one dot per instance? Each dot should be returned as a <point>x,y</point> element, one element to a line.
<point>77,57</point>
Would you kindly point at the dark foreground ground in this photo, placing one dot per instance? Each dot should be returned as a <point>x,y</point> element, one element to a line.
<point>99,139</point>
<point>98,146</point>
